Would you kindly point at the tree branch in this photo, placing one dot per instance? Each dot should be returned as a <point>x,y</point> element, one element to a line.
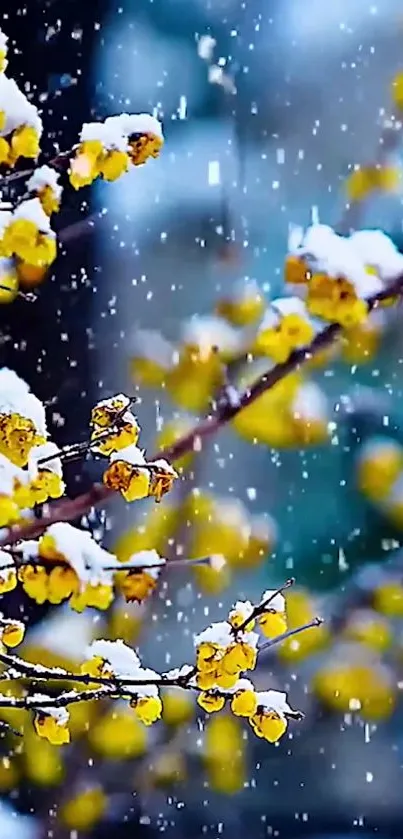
<point>70,509</point>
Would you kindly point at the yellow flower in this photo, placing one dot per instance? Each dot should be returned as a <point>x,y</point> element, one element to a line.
<point>136,585</point>
<point>244,703</point>
<point>369,629</point>
<point>12,633</point>
<point>267,419</point>
<point>272,623</point>
<point>243,311</point>
<point>96,666</point>
<point>379,465</point>
<point>360,183</point>
<point>48,727</point>
<point>107,412</point>
<point>224,754</point>
<point>296,271</point>
<point>25,143</point>
<point>238,657</point>
<point>42,762</point>
<point>143,146</point>
<point>360,344</point>
<point>268,725</point>
<point>85,810</point>
<point>211,579</point>
<point>34,581</point>
<point>237,619</point>
<point>223,531</point>
<point>8,580</point>
<point>148,709</point>
<point>131,482</point>
<point>168,768</point>
<point>126,435</point>
<point>388,599</point>
<point>4,152</point>
<point>98,596</point>
<point>84,167</point>
<point>31,275</point>
<point>278,342</point>
<point>23,496</point>
<point>177,707</point>
<point>350,687</point>
<point>3,64</point>
<point>46,485</point>
<point>397,90</point>
<point>114,164</point>
<point>300,610</point>
<point>207,655</point>
<point>210,702</point>
<point>9,511</point>
<point>118,735</point>
<point>192,382</point>
<point>17,437</point>
<point>62,582</point>
<point>53,585</point>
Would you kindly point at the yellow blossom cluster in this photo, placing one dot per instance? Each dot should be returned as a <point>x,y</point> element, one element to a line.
<point>28,245</point>
<point>111,659</point>
<point>20,123</point>
<point>11,632</point>
<point>30,470</point>
<point>224,651</point>
<point>355,681</point>
<point>112,669</point>
<point>115,432</point>
<point>107,149</point>
<point>71,566</point>
<point>379,476</point>
<point>335,275</point>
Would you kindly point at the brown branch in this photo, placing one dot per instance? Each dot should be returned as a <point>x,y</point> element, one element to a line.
<point>70,509</point>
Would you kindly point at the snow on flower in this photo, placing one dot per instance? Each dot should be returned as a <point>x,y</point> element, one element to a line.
<point>48,452</point>
<point>209,332</point>
<point>122,659</point>
<point>42,177</point>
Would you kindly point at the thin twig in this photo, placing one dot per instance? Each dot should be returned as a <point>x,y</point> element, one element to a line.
<point>290,633</point>
<point>260,608</point>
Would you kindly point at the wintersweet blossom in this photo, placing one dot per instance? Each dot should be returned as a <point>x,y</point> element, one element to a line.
<point>107,148</point>
<point>44,183</point>
<point>73,568</point>
<point>135,477</point>
<point>138,584</point>
<point>272,715</point>
<point>341,273</point>
<point>20,123</point>
<point>221,655</point>
<point>273,620</point>
<point>52,725</point>
<point>286,325</point>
